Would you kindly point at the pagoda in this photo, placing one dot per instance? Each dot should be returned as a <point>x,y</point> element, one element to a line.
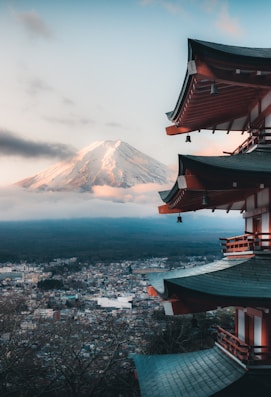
<point>226,88</point>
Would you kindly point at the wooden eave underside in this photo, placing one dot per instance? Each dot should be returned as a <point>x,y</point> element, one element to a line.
<point>227,110</point>
<point>186,301</point>
<point>211,195</point>
<point>193,200</point>
<point>241,85</point>
<point>222,182</point>
<point>245,283</point>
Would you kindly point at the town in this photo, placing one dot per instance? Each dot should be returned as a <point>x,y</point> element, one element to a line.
<point>76,322</point>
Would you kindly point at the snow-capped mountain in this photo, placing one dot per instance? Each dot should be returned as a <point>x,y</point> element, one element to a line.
<point>111,163</point>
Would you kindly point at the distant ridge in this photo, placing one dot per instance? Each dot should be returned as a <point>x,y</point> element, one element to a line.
<point>110,163</point>
<point>112,239</point>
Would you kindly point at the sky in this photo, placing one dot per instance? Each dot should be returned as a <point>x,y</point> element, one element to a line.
<point>75,72</point>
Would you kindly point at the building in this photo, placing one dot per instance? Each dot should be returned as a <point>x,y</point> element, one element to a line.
<point>226,88</point>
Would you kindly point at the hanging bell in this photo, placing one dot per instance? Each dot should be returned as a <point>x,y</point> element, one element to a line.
<point>179,219</point>
<point>214,89</point>
<point>205,200</point>
<point>188,138</point>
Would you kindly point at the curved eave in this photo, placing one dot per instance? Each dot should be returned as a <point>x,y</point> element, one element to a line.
<point>228,110</point>
<point>245,283</point>
<point>157,280</point>
<point>188,300</point>
<point>225,180</point>
<point>187,200</point>
<point>168,195</point>
<point>242,76</point>
<point>250,279</point>
<point>194,374</point>
<point>255,163</point>
<point>239,55</point>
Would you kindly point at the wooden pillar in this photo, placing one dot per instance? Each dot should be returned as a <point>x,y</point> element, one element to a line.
<point>266,328</point>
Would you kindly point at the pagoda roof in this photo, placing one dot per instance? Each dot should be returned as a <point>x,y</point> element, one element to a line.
<point>227,180</point>
<point>157,280</point>
<point>258,161</point>
<point>242,77</point>
<point>228,282</point>
<point>195,374</point>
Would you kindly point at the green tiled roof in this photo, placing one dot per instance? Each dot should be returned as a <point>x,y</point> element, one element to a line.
<point>242,278</point>
<point>256,164</point>
<point>197,374</point>
<point>236,57</point>
<point>256,161</point>
<point>233,50</point>
<point>249,279</point>
<point>157,279</point>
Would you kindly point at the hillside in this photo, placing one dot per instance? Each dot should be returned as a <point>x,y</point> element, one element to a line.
<point>112,239</point>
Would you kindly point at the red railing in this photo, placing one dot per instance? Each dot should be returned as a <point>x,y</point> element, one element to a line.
<point>233,344</point>
<point>252,355</point>
<point>247,242</point>
<point>256,136</point>
<point>247,144</point>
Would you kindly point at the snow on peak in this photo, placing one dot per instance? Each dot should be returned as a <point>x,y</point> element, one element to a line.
<point>111,163</point>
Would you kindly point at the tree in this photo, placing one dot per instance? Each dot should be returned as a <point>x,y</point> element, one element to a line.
<point>50,283</point>
<point>179,334</point>
<point>41,357</point>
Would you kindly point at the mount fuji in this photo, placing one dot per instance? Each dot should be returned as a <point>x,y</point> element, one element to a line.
<point>110,163</point>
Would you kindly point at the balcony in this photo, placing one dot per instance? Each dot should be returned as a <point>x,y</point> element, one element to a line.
<point>249,244</point>
<point>256,137</point>
<point>247,354</point>
<point>247,145</point>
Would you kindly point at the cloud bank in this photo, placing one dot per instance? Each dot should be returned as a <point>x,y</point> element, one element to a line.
<point>13,145</point>
<point>20,204</point>
<point>17,204</point>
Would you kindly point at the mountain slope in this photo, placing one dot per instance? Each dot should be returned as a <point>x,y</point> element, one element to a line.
<point>111,163</point>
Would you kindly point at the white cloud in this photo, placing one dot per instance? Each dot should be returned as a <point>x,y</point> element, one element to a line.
<point>173,7</point>
<point>140,194</point>
<point>217,9</point>
<point>34,24</point>
<point>227,23</point>
<point>17,204</point>
<point>20,204</point>
<point>209,5</point>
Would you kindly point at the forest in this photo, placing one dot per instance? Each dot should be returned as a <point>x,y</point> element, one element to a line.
<point>102,239</point>
<point>70,359</point>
